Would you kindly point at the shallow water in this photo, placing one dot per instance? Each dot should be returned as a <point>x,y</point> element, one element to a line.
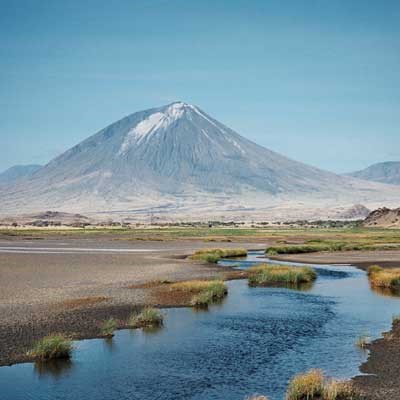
<point>251,343</point>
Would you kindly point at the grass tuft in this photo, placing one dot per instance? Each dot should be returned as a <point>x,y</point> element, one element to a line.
<point>312,385</point>
<point>204,292</point>
<point>214,255</point>
<point>309,385</point>
<point>384,277</point>
<point>148,318</point>
<point>338,390</point>
<point>108,327</point>
<point>269,274</point>
<point>202,300</point>
<point>52,347</point>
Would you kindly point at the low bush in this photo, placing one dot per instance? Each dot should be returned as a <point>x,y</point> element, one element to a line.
<point>269,274</point>
<point>148,318</point>
<point>52,347</point>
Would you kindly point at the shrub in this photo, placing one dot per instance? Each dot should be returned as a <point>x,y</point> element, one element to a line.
<point>109,327</point>
<point>148,318</point>
<point>307,386</point>
<point>214,255</point>
<point>268,274</point>
<point>52,347</point>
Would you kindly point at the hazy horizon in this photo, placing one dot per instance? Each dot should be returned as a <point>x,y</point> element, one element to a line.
<point>315,81</point>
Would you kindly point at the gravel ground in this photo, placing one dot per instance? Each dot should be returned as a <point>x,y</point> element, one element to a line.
<point>73,285</point>
<point>382,367</point>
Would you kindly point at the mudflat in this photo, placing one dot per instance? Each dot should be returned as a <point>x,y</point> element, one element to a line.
<point>73,284</point>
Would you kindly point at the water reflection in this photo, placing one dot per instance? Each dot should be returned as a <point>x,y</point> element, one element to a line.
<point>387,292</point>
<point>53,368</point>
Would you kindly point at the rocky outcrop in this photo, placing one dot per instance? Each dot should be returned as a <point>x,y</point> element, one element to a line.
<point>383,218</point>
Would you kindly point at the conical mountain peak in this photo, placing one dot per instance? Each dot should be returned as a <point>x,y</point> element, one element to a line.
<point>176,151</point>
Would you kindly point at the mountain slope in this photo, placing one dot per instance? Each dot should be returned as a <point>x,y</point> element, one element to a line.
<point>176,159</point>
<point>17,172</point>
<point>385,172</point>
<point>175,147</point>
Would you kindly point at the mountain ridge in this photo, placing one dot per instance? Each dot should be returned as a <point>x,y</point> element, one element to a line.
<point>384,172</point>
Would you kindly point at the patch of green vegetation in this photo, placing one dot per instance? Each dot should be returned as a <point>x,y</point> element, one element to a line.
<point>148,318</point>
<point>314,246</point>
<point>214,255</point>
<point>270,274</point>
<point>52,347</point>
<point>109,327</point>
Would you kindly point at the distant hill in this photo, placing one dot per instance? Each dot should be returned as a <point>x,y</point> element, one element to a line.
<point>17,172</point>
<point>383,218</point>
<point>385,172</point>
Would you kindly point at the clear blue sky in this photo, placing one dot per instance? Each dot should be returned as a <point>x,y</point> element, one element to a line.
<point>317,80</point>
